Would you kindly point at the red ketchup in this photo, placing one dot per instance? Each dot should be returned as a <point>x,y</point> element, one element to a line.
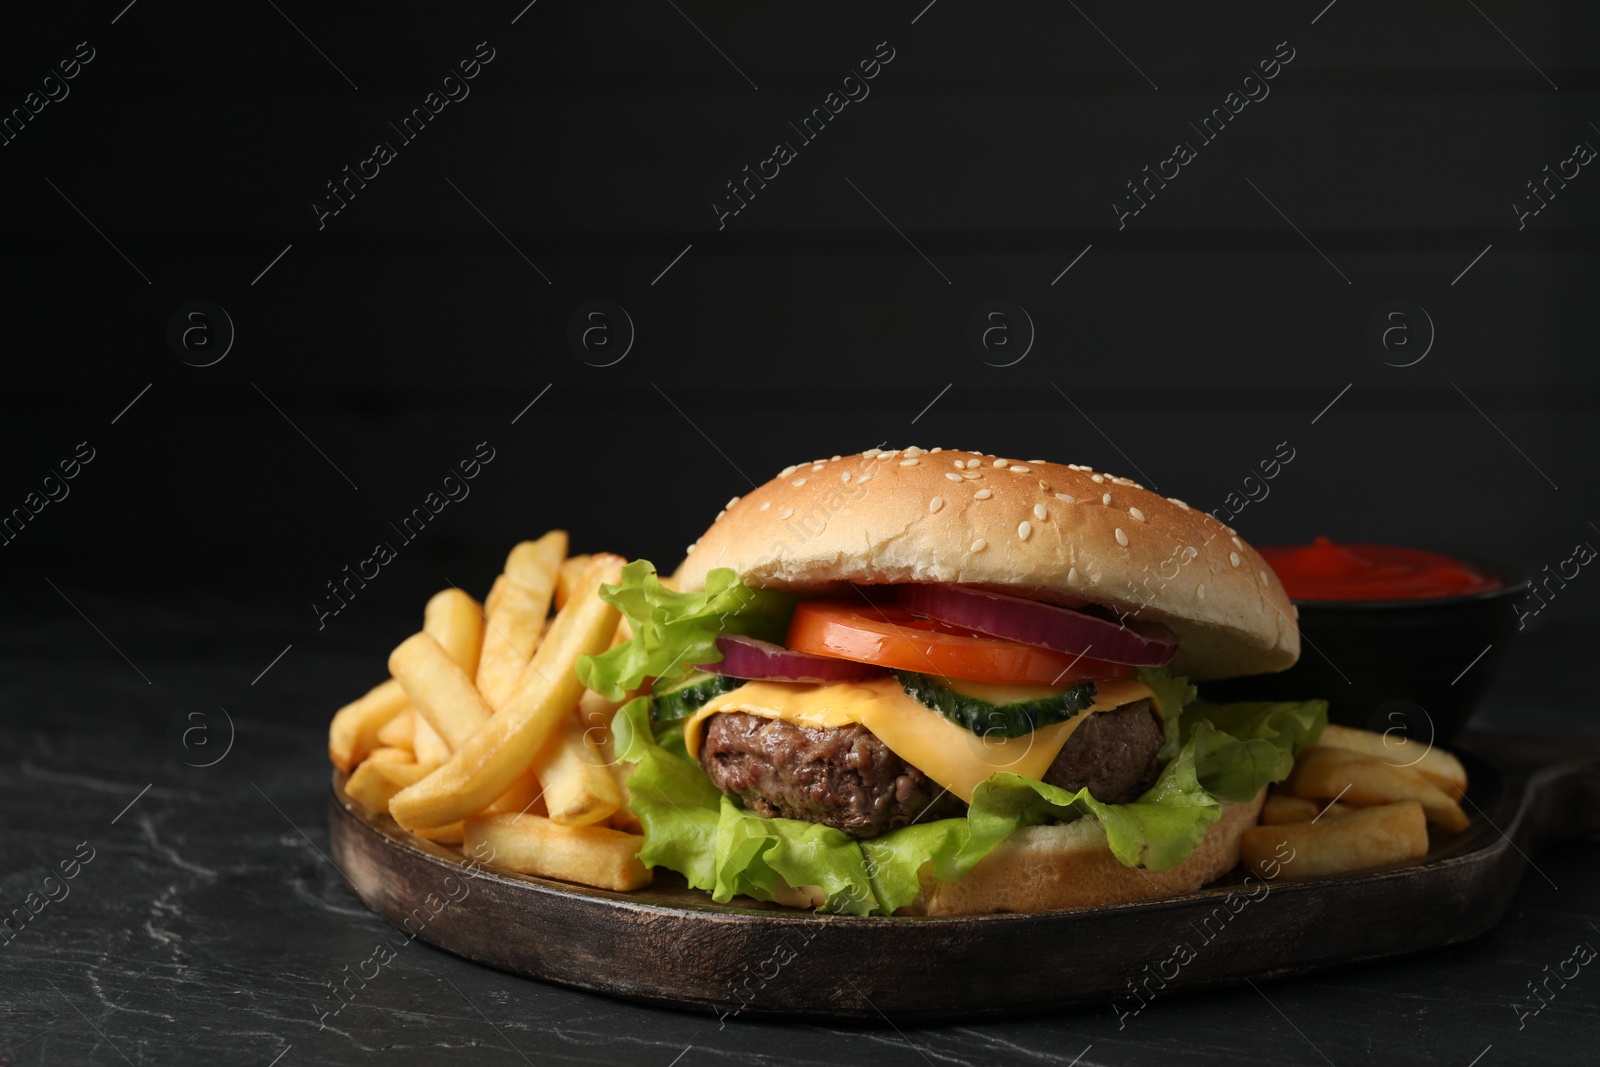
<point>1323,570</point>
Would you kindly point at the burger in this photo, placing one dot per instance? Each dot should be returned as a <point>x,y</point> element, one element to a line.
<point>946,682</point>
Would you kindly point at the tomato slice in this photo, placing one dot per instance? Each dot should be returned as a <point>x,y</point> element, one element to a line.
<point>890,636</point>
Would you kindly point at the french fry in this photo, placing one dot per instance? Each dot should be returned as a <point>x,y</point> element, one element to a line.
<point>595,712</point>
<point>591,855</point>
<point>1434,764</point>
<point>374,783</point>
<point>1282,808</point>
<point>439,689</point>
<point>494,757</point>
<point>518,616</point>
<point>567,578</point>
<point>1359,838</point>
<point>624,818</point>
<point>428,745</point>
<point>455,621</point>
<point>389,755</point>
<point>400,731</point>
<point>492,601</point>
<point>526,796</point>
<point>578,790</point>
<point>1335,773</point>
<point>354,730</point>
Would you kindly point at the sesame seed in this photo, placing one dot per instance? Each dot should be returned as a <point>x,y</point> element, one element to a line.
<point>1200,592</point>
<point>961,464</point>
<point>787,471</point>
<point>1105,498</point>
<point>1072,576</point>
<point>1190,552</point>
<point>974,463</point>
<point>1000,464</point>
<point>1066,498</point>
<point>1018,468</point>
<point>1175,500</point>
<point>1024,528</point>
<point>982,494</point>
<point>869,453</point>
<point>765,504</point>
<point>837,458</point>
<point>908,463</point>
<point>1233,558</point>
<point>816,466</point>
<point>1138,516</point>
<point>971,475</point>
<point>1264,579</point>
<point>864,479</point>
<point>952,475</point>
<point>690,548</point>
<point>1097,478</point>
<point>1038,461</point>
<point>1238,543</point>
<point>1040,512</point>
<point>893,452</point>
<point>721,513</point>
<point>844,476</point>
<point>935,504</point>
<point>1044,485</point>
<point>1122,538</point>
<point>979,545</point>
<point>932,450</point>
<point>785,513</point>
<point>731,502</point>
<point>798,482</point>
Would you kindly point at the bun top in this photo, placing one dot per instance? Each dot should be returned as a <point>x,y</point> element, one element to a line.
<point>1054,532</point>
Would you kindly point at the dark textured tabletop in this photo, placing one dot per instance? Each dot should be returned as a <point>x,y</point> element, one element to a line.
<point>205,923</point>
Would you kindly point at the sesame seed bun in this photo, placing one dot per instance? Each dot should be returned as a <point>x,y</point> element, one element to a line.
<point>1055,532</point>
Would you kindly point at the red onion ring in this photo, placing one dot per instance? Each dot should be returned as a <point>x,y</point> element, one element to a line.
<point>746,657</point>
<point>1046,625</point>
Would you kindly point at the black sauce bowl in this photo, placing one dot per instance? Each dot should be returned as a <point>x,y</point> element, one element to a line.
<point>1417,666</point>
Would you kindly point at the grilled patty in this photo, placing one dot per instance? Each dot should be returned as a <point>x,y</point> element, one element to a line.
<point>846,778</point>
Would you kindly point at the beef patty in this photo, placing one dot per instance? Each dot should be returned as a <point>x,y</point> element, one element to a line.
<point>846,778</point>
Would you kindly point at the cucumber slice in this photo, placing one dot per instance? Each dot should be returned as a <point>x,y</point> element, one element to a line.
<point>996,710</point>
<point>685,696</point>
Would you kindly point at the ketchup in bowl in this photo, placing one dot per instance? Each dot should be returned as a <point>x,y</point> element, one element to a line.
<point>1323,570</point>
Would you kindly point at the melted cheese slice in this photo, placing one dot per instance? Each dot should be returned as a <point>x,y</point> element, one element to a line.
<point>951,755</point>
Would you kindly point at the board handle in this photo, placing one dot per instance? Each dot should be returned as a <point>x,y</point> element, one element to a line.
<point>1562,781</point>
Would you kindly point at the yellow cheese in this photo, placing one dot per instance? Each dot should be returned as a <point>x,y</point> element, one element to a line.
<point>953,756</point>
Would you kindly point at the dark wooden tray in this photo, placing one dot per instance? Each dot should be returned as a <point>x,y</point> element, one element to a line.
<point>671,944</point>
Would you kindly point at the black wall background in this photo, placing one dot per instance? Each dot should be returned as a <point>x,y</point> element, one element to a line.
<point>1190,343</point>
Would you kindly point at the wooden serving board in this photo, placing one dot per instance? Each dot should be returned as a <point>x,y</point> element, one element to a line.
<point>673,945</point>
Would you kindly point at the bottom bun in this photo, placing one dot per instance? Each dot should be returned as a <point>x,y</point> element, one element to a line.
<point>1045,868</point>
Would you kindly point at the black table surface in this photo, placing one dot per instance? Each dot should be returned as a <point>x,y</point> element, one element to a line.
<point>207,923</point>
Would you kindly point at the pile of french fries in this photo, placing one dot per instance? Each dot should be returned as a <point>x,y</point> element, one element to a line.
<point>1356,799</point>
<point>484,737</point>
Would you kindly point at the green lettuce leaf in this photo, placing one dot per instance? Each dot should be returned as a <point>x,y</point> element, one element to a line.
<point>724,849</point>
<point>672,632</point>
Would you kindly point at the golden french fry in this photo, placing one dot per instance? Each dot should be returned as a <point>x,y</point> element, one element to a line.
<point>455,620</point>
<point>374,783</point>
<point>1281,809</point>
<point>518,616</point>
<point>1434,764</point>
<point>1360,780</point>
<point>1356,839</point>
<point>526,796</point>
<point>354,730</point>
<point>430,748</point>
<point>567,578</point>
<point>595,712</point>
<point>389,755</point>
<point>591,855</point>
<point>439,689</point>
<point>578,790</point>
<point>493,758</point>
<point>399,731</point>
<point>492,601</point>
